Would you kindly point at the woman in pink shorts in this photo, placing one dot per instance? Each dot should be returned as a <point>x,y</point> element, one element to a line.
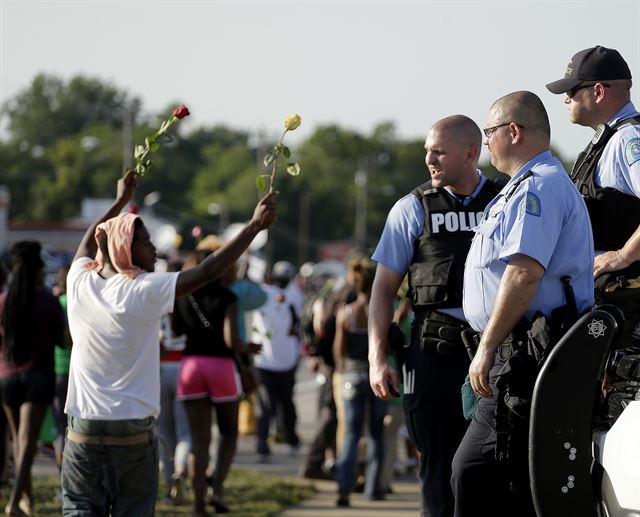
<point>209,375</point>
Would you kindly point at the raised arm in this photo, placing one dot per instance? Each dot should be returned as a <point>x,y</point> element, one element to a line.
<point>383,293</point>
<point>216,264</point>
<point>126,188</point>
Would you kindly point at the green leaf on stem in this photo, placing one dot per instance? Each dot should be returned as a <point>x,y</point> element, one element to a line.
<point>281,148</point>
<point>270,158</point>
<point>293,169</point>
<point>154,147</point>
<point>262,182</point>
<point>140,168</point>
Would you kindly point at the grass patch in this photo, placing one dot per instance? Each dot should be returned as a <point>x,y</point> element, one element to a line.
<point>248,493</point>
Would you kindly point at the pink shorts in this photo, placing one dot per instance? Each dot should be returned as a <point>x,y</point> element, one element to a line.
<point>213,377</point>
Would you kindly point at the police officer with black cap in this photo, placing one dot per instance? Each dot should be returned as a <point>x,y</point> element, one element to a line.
<point>597,86</point>
<point>427,234</point>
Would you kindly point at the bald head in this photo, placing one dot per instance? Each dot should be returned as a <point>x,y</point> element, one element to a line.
<point>526,109</point>
<point>460,129</point>
<point>452,150</point>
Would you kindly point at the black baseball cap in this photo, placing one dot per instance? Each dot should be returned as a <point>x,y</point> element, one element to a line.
<point>592,64</point>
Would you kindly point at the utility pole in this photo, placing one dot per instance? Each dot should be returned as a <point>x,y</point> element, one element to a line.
<point>303,228</point>
<point>360,179</point>
<point>127,139</point>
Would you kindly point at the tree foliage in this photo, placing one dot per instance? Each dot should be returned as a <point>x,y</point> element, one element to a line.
<point>65,142</point>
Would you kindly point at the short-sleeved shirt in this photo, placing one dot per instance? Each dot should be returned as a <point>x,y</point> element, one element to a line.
<point>619,165</point>
<point>115,324</point>
<point>213,301</point>
<point>404,225</point>
<point>545,218</point>
<point>275,327</point>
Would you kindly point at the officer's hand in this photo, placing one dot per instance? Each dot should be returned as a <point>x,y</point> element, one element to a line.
<point>384,380</point>
<point>609,261</point>
<point>479,371</point>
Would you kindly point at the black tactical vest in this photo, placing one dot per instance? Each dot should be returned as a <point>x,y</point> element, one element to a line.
<point>439,253</point>
<point>614,215</point>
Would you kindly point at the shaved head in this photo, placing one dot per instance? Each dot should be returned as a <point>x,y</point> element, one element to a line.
<point>461,129</point>
<point>523,108</point>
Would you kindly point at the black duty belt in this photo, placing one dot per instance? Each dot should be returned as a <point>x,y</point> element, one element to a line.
<point>514,341</point>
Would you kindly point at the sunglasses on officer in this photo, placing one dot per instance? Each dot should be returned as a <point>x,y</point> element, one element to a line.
<point>570,93</point>
<point>488,131</point>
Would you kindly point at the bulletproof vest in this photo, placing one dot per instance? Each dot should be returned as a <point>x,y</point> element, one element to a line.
<point>614,215</point>
<point>439,253</point>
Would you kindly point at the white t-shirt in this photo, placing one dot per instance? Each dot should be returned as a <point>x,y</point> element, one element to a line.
<point>115,362</point>
<point>271,325</point>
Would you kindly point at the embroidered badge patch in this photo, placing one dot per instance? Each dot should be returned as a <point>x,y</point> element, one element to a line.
<point>533,204</point>
<point>632,151</point>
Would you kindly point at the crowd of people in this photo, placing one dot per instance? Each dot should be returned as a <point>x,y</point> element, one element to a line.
<point>135,360</point>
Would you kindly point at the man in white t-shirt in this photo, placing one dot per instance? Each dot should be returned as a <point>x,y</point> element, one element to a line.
<point>115,303</point>
<point>276,328</point>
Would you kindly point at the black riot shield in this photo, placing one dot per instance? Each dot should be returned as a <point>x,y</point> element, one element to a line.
<point>565,398</point>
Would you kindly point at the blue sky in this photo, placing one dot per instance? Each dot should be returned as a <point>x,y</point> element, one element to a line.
<point>248,64</point>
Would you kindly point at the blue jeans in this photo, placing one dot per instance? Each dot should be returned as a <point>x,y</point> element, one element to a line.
<point>357,395</point>
<point>116,481</point>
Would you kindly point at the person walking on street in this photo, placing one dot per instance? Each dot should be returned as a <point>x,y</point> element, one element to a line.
<point>115,303</point>
<point>34,324</point>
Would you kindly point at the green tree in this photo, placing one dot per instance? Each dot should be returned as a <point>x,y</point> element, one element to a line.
<point>51,108</point>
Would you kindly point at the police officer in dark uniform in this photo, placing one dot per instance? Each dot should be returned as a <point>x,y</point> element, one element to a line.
<point>597,86</point>
<point>532,235</point>
<point>427,234</point>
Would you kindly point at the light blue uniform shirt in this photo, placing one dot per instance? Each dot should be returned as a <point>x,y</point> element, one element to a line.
<point>404,225</point>
<point>546,219</point>
<point>619,165</point>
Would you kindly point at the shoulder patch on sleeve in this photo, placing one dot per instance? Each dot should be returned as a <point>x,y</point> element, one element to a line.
<point>533,206</point>
<point>632,151</point>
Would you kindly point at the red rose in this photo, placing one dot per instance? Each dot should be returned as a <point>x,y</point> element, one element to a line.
<point>181,111</point>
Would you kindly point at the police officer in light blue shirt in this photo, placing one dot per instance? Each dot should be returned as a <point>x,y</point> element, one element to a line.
<point>533,233</point>
<point>427,235</point>
<point>405,223</point>
<point>597,86</point>
<point>540,216</point>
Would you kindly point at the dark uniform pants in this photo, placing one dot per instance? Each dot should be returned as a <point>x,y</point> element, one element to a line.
<point>481,485</point>
<point>433,411</point>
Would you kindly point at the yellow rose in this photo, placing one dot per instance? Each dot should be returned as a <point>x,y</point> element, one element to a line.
<point>292,122</point>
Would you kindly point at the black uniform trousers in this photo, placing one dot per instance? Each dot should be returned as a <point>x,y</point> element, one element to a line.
<point>433,411</point>
<point>481,485</point>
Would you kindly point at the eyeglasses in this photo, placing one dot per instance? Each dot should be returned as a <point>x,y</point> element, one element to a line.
<point>570,93</point>
<point>489,131</point>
